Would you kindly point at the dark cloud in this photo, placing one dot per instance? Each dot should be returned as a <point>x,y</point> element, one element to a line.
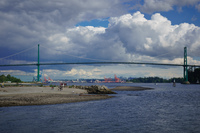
<point>27,22</point>
<point>151,6</point>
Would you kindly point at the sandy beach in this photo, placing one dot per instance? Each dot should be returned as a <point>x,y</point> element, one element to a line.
<point>20,96</point>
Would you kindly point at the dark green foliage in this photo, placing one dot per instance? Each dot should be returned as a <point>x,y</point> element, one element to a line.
<point>178,80</point>
<point>4,78</point>
<point>72,86</point>
<point>194,76</point>
<point>52,86</point>
<point>40,85</point>
<point>155,80</point>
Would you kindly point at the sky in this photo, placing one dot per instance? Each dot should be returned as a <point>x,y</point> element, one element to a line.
<point>99,30</point>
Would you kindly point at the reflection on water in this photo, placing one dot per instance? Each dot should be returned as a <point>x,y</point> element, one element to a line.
<point>164,109</point>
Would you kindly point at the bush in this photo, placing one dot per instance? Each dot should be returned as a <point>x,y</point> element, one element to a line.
<point>4,78</point>
<point>41,85</point>
<point>52,86</point>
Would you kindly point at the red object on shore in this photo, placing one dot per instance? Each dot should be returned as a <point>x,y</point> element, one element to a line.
<point>117,80</point>
<point>109,80</point>
<point>63,84</point>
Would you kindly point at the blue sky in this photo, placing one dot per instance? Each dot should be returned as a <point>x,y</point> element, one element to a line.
<point>93,30</point>
<point>188,14</point>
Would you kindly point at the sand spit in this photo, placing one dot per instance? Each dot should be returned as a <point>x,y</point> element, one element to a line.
<point>130,88</point>
<point>20,96</point>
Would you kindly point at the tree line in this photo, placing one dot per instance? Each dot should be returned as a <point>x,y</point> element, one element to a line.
<point>194,75</point>
<point>155,80</point>
<point>193,78</point>
<point>4,78</point>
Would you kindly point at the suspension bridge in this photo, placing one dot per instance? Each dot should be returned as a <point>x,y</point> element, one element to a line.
<point>38,63</point>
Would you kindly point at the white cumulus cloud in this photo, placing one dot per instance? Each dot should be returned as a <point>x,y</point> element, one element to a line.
<point>132,37</point>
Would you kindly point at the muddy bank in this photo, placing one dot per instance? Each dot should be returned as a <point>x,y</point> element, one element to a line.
<point>44,99</point>
<point>130,88</point>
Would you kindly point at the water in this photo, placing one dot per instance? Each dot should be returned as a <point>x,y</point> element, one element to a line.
<point>164,109</point>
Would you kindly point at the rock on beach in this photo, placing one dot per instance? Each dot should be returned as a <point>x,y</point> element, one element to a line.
<point>95,89</point>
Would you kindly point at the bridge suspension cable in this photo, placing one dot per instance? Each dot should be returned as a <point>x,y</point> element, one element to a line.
<point>64,52</point>
<point>162,54</point>
<point>17,53</point>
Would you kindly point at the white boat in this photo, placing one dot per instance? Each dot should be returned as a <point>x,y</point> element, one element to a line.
<point>174,83</point>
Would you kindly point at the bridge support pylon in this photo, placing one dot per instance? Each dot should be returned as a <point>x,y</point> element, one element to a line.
<point>185,67</point>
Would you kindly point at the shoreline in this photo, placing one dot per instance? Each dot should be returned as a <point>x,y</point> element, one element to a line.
<point>26,96</point>
<point>130,88</point>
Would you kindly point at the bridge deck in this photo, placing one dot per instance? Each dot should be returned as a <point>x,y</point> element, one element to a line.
<point>88,63</point>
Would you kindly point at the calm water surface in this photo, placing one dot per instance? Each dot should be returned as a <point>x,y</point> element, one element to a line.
<point>164,109</point>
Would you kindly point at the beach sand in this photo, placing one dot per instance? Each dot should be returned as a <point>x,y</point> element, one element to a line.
<point>130,88</point>
<point>20,96</point>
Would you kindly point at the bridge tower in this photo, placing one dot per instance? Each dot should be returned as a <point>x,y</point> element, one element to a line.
<point>38,64</point>
<point>185,69</point>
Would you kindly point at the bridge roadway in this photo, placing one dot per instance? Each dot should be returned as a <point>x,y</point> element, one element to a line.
<point>88,63</point>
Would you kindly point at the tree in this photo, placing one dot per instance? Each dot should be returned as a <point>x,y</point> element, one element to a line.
<point>155,80</point>
<point>194,76</point>
<point>4,78</point>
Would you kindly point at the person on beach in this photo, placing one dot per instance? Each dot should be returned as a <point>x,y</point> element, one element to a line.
<point>60,88</point>
<point>2,85</point>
